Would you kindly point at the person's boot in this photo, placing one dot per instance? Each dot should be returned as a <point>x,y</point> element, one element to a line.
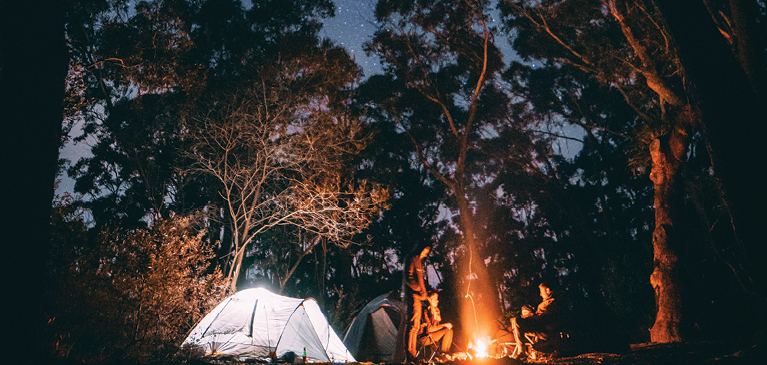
<point>412,358</point>
<point>519,353</point>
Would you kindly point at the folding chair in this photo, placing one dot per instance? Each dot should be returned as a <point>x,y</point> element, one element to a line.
<point>427,346</point>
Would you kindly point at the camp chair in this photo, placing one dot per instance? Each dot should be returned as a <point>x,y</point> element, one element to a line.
<point>505,344</point>
<point>427,348</point>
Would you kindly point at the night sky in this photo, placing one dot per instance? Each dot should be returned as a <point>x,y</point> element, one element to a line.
<point>353,25</point>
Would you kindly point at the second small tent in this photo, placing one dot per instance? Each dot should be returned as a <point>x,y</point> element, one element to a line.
<point>377,333</point>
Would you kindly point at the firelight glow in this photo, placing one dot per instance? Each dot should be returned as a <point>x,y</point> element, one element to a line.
<point>480,346</point>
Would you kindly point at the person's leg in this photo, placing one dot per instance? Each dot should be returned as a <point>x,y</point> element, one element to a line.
<point>520,348</point>
<point>433,337</point>
<point>444,334</point>
<point>415,326</point>
<point>447,340</point>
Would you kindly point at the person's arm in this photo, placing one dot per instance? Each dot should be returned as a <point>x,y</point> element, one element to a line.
<point>419,273</point>
<point>545,306</point>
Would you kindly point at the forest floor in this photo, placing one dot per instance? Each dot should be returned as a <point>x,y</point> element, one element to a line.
<point>685,353</point>
<point>646,354</point>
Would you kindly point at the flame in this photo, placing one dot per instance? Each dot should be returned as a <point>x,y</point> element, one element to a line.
<point>480,346</point>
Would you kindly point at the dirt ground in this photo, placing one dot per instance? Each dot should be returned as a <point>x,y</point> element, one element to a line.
<point>646,354</point>
<point>685,353</point>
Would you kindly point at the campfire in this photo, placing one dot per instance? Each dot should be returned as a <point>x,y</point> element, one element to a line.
<point>479,347</point>
<point>485,347</point>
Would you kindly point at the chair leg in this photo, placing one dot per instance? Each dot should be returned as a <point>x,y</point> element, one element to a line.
<point>431,358</point>
<point>424,346</point>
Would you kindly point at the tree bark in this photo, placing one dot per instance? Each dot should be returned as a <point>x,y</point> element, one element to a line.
<point>482,299</point>
<point>668,154</point>
<point>236,266</point>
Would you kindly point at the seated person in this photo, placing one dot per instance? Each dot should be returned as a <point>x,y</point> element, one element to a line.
<point>539,323</point>
<point>434,331</point>
<point>504,333</point>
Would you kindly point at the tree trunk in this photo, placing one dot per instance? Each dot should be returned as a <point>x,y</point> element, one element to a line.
<point>479,311</point>
<point>734,124</point>
<point>33,67</point>
<point>668,153</point>
<point>303,254</point>
<point>236,266</point>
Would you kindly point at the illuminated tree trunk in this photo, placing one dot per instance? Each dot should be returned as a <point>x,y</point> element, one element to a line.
<point>668,153</point>
<point>235,270</point>
<point>481,296</point>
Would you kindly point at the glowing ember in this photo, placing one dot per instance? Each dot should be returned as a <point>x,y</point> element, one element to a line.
<point>480,346</point>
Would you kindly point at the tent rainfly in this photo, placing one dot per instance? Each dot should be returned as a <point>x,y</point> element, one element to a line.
<point>377,333</point>
<point>255,323</point>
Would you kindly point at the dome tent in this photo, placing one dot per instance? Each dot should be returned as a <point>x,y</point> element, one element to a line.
<point>377,333</point>
<point>253,323</point>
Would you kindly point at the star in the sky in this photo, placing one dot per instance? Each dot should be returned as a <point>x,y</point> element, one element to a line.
<point>353,25</point>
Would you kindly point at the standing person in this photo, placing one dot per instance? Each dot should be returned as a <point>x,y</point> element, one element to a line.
<point>415,292</point>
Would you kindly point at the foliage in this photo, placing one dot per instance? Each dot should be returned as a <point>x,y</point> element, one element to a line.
<point>136,70</point>
<point>127,294</point>
<point>483,136</point>
<point>145,74</point>
<point>133,164</point>
<point>278,149</point>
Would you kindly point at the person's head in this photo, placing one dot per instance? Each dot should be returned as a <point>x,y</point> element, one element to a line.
<point>420,250</point>
<point>425,252</point>
<point>545,290</point>
<point>434,299</point>
<point>527,311</point>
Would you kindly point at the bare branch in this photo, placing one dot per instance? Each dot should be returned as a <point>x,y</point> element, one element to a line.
<point>278,157</point>
<point>654,80</point>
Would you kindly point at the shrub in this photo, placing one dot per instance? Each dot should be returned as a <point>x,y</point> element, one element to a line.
<point>128,296</point>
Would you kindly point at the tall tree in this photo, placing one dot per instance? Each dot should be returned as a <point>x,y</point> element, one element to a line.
<point>142,64</point>
<point>729,84</point>
<point>580,33</point>
<point>628,47</point>
<point>440,65</point>
<point>138,70</point>
<point>145,64</point>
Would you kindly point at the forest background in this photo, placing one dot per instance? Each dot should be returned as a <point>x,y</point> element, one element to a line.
<point>233,147</point>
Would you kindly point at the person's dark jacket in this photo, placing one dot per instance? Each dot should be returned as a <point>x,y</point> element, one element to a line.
<point>415,275</point>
